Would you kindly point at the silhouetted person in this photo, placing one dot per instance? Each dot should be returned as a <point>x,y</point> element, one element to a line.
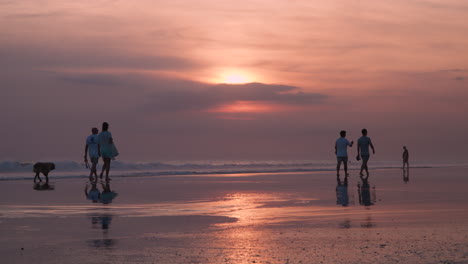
<point>363,151</point>
<point>405,157</point>
<point>92,147</point>
<point>107,148</point>
<point>341,151</point>
<point>342,192</point>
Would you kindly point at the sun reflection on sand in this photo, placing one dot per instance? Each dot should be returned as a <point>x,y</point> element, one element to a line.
<point>245,209</point>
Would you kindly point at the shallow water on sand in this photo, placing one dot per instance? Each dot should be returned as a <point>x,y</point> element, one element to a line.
<point>412,217</point>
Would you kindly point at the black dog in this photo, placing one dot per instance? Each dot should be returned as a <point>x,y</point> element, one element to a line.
<point>44,168</point>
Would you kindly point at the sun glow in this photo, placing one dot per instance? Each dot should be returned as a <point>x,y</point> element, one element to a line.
<point>235,77</point>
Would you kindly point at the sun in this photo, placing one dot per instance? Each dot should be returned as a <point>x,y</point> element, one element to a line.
<point>234,77</point>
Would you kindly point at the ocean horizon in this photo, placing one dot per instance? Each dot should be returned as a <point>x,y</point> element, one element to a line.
<point>71,169</point>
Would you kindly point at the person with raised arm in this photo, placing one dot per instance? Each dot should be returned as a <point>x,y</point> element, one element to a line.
<point>341,151</point>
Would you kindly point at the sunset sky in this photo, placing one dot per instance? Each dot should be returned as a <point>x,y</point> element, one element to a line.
<point>218,79</point>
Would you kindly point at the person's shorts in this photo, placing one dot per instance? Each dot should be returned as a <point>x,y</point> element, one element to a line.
<point>365,157</point>
<point>343,159</point>
<point>94,160</point>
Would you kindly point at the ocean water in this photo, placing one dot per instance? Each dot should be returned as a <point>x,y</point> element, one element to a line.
<point>22,170</point>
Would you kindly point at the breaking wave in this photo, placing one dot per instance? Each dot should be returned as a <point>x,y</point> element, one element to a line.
<point>19,170</point>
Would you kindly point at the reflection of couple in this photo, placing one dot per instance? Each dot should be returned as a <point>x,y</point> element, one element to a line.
<point>367,195</point>
<point>102,222</point>
<point>98,145</point>
<point>95,195</point>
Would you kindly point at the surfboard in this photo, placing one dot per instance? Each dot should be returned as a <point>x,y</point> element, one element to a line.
<point>113,151</point>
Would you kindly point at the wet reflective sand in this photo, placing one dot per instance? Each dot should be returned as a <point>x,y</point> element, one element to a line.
<point>416,216</point>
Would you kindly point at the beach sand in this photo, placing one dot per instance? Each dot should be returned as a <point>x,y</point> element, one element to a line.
<point>242,218</point>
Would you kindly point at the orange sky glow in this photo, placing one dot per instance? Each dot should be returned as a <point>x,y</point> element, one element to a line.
<point>299,69</point>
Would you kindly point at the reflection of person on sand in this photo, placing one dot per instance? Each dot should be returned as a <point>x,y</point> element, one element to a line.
<point>363,151</point>
<point>341,151</point>
<point>107,194</point>
<point>107,148</point>
<point>102,222</point>
<point>92,147</point>
<point>405,157</point>
<point>342,192</point>
<point>406,175</point>
<point>93,194</point>
<point>364,193</point>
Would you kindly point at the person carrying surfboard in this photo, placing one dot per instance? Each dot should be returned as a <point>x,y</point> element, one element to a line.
<point>108,149</point>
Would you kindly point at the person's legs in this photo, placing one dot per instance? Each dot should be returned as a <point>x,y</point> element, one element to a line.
<point>94,162</point>
<point>338,166</point>
<point>365,159</point>
<point>364,165</point>
<point>107,162</point>
<point>103,167</point>
<point>362,168</point>
<point>91,170</point>
<point>345,161</point>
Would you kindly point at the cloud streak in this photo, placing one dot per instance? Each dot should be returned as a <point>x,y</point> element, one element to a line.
<point>191,96</point>
<point>96,58</point>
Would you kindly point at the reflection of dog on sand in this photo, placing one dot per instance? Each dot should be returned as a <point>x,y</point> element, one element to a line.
<point>44,168</point>
<point>43,187</point>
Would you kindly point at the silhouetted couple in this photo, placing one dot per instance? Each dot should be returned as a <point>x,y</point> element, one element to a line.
<point>341,151</point>
<point>100,145</point>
